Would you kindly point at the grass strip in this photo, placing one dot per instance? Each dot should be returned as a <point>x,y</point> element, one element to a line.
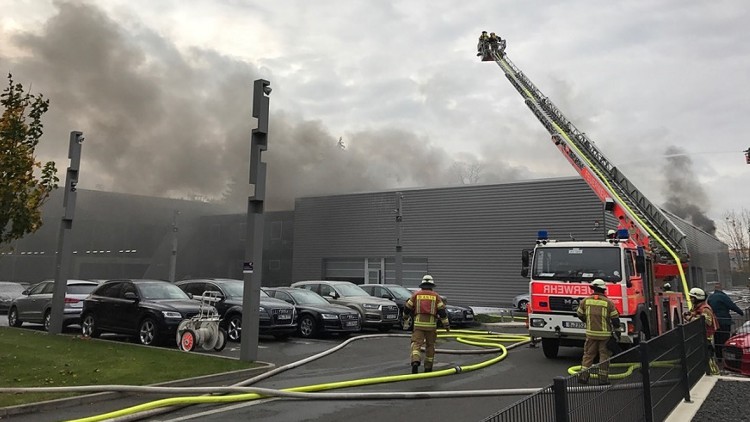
<point>36,359</point>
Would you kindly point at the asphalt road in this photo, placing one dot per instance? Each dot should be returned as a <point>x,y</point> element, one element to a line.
<point>523,368</point>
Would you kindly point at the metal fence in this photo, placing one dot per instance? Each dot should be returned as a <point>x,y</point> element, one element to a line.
<point>646,383</point>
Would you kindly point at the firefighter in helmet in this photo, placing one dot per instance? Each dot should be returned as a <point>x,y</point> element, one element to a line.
<point>601,318</point>
<point>482,41</point>
<point>611,234</point>
<point>701,308</point>
<point>494,41</point>
<point>425,307</point>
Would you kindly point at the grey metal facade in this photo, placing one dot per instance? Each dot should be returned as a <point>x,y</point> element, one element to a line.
<point>470,237</point>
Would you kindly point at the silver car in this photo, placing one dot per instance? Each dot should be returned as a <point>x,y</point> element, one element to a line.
<point>35,304</point>
<point>8,292</point>
<point>521,301</point>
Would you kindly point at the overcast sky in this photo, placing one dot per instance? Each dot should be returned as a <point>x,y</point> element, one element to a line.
<point>163,90</point>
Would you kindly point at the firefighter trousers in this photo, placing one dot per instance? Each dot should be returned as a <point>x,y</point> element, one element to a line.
<point>591,349</point>
<point>427,338</point>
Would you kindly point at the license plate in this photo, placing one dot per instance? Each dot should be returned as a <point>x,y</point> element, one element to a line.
<point>731,355</point>
<point>284,316</point>
<point>574,324</point>
<point>351,323</point>
<point>394,316</point>
<point>469,316</point>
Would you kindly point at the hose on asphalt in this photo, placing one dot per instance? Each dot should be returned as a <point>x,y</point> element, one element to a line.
<point>492,343</point>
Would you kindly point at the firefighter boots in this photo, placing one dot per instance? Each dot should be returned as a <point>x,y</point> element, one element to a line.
<point>414,367</point>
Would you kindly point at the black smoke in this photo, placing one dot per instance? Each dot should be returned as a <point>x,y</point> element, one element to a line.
<point>173,122</point>
<point>684,194</point>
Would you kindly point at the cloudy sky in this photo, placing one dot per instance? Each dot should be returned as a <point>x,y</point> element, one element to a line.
<point>163,90</point>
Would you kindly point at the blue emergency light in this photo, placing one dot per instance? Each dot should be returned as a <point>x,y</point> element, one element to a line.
<point>542,235</point>
<point>622,234</point>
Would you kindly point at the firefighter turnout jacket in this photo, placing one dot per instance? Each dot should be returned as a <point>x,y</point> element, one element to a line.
<point>600,315</point>
<point>704,309</point>
<point>426,307</point>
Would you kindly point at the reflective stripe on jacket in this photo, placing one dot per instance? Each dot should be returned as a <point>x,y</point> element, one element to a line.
<point>705,310</point>
<point>426,305</point>
<point>598,311</point>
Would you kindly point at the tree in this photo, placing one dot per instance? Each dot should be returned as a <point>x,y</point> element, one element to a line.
<point>467,173</point>
<point>22,193</point>
<point>735,231</point>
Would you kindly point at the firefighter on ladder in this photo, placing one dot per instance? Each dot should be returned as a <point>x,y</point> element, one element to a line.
<point>601,318</point>
<point>425,306</point>
<point>701,308</point>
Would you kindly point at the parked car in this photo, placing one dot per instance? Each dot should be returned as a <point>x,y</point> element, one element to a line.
<point>737,351</point>
<point>150,310</point>
<point>457,315</point>
<point>315,315</point>
<point>373,312</point>
<point>276,317</point>
<point>35,303</point>
<point>8,292</point>
<point>521,301</point>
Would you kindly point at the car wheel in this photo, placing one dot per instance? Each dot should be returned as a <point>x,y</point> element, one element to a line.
<point>88,326</point>
<point>147,332</point>
<point>46,320</point>
<point>522,305</point>
<point>234,327</point>
<point>13,319</point>
<point>187,340</point>
<point>550,347</point>
<point>222,343</point>
<point>307,326</point>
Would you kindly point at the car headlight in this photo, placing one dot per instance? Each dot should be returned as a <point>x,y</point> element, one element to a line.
<point>261,309</point>
<point>171,314</point>
<point>454,311</point>
<point>370,306</point>
<point>329,316</point>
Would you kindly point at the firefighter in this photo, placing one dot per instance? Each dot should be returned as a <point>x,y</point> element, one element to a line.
<point>701,308</point>
<point>611,234</point>
<point>425,307</point>
<point>721,304</point>
<point>482,40</point>
<point>493,41</point>
<point>601,318</point>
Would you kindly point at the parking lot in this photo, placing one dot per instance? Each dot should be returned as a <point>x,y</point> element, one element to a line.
<point>524,367</point>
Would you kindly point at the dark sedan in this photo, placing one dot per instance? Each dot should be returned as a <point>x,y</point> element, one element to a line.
<point>457,315</point>
<point>315,314</point>
<point>150,310</point>
<point>276,317</point>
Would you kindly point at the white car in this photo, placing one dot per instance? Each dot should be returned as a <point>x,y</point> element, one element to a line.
<point>521,301</point>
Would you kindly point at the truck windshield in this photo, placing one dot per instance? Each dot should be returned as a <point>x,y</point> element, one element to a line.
<point>577,264</point>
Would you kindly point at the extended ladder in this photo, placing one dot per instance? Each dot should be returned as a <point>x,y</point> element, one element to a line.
<point>648,218</point>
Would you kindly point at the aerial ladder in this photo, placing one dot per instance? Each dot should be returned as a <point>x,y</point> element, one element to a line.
<point>647,224</point>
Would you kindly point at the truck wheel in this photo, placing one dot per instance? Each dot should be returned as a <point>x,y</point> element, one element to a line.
<point>550,347</point>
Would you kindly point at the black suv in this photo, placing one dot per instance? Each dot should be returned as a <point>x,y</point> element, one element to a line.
<point>150,310</point>
<point>276,317</point>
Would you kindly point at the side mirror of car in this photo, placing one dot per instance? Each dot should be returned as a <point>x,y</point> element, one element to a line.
<point>334,295</point>
<point>190,295</point>
<point>386,296</point>
<point>25,292</point>
<point>131,296</point>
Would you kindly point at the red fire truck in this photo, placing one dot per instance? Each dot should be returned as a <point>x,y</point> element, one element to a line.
<point>646,250</point>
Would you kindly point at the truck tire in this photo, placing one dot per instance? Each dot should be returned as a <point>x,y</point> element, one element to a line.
<point>550,347</point>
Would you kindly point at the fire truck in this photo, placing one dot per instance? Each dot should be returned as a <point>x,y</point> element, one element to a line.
<point>646,249</point>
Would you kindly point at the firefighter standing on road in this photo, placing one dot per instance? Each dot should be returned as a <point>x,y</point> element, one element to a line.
<point>425,307</point>
<point>600,315</point>
<point>701,308</point>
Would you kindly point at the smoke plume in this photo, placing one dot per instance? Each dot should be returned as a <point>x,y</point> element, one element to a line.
<point>164,121</point>
<point>685,196</point>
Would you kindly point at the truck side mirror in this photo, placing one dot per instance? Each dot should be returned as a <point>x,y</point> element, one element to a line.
<point>525,272</point>
<point>640,264</point>
<point>525,260</point>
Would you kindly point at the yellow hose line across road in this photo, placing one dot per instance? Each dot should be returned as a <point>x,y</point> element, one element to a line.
<point>470,337</point>
<point>630,367</point>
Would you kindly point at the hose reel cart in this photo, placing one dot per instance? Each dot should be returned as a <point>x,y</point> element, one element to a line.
<point>203,329</point>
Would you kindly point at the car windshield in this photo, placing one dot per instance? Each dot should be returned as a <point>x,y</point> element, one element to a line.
<point>81,289</point>
<point>234,289</point>
<point>156,291</point>
<point>577,264</point>
<point>400,292</point>
<point>306,297</point>
<point>349,290</point>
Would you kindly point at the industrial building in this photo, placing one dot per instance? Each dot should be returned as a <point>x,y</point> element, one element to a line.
<point>469,238</point>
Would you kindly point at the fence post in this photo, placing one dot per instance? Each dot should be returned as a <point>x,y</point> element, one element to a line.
<point>646,377</point>
<point>560,387</point>
<point>684,363</point>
